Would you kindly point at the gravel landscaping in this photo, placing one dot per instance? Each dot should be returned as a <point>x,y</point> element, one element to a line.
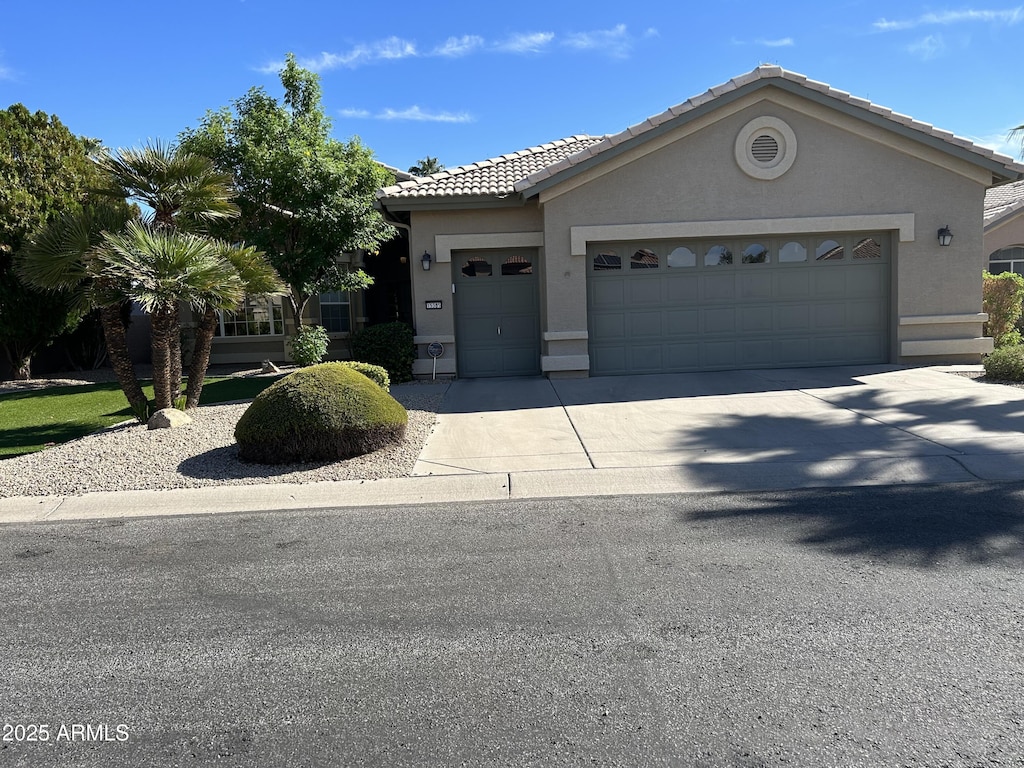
<point>131,457</point>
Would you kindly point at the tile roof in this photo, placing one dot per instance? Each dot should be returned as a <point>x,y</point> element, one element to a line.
<point>1003,201</point>
<point>520,171</point>
<point>495,177</point>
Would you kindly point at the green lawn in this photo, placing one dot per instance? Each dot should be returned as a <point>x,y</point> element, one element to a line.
<point>32,419</point>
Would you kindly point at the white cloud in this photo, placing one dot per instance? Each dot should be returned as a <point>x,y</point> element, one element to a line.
<point>459,46</point>
<point>414,113</point>
<point>530,42</point>
<point>1000,142</point>
<point>6,73</point>
<point>1008,17</point>
<point>928,47</point>
<point>615,42</point>
<point>782,42</point>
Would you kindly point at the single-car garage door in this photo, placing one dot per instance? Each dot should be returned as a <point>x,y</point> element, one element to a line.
<point>674,306</point>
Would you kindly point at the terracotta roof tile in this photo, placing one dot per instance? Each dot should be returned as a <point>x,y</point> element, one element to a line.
<point>1003,201</point>
<point>519,171</point>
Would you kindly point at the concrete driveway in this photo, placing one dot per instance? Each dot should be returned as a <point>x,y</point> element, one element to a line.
<point>736,430</point>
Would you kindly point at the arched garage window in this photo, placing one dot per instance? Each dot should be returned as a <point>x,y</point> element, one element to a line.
<point>1007,260</point>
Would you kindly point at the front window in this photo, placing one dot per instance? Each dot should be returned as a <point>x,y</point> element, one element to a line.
<point>1007,260</point>
<point>334,315</point>
<point>255,316</point>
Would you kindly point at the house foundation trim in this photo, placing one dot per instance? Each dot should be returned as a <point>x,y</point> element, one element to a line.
<point>945,347</point>
<point>549,363</point>
<point>581,235</point>
<point>445,244</point>
<point>566,336</point>
<point>978,317</point>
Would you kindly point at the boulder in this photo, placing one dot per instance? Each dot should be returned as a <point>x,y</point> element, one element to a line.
<point>169,418</point>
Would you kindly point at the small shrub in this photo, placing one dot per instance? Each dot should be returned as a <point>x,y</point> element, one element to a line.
<point>321,413</point>
<point>388,345</point>
<point>1001,298</point>
<point>1006,364</point>
<point>374,373</point>
<point>309,345</point>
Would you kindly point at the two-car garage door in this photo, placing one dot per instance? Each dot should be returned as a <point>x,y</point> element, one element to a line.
<point>676,306</point>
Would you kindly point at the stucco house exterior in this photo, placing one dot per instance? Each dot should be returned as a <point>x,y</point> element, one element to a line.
<point>770,221</point>
<point>1004,228</point>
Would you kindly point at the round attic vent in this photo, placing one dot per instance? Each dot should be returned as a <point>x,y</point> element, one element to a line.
<point>765,148</point>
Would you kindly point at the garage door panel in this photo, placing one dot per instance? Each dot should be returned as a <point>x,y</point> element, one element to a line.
<point>755,286</point>
<point>682,321</point>
<point>719,320</point>
<point>609,326</point>
<point>792,284</point>
<point>645,291</point>
<point>682,289</point>
<point>729,316</point>
<point>645,324</point>
<point>828,316</point>
<point>794,317</point>
<point>607,293</point>
<point>646,358</point>
<point>516,295</point>
<point>719,288</point>
<point>755,319</point>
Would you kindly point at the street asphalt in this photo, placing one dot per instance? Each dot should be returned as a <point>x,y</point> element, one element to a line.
<point>730,431</point>
<point>871,626</point>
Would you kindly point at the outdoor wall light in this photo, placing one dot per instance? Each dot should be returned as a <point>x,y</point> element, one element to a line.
<point>945,236</point>
<point>425,259</point>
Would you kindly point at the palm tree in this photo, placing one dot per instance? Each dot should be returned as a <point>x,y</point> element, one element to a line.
<point>63,257</point>
<point>427,166</point>
<point>185,192</point>
<point>258,278</point>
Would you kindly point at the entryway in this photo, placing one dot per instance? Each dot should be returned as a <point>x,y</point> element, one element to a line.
<point>497,313</point>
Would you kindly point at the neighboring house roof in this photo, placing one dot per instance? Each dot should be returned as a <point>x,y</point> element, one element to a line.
<point>1002,202</point>
<point>495,177</point>
<point>526,173</point>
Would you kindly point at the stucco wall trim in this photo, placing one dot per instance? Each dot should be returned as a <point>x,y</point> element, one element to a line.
<point>550,363</point>
<point>445,244</point>
<point>946,347</point>
<point>977,317</point>
<point>581,235</point>
<point>441,338</point>
<point>566,336</point>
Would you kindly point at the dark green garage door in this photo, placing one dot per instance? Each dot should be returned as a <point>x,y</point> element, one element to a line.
<point>724,304</point>
<point>497,313</point>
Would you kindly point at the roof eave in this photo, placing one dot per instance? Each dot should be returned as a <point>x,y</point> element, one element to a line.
<point>453,202</point>
<point>1001,173</point>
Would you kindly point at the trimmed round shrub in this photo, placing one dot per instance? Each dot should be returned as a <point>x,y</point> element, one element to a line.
<point>389,345</point>
<point>309,344</point>
<point>1006,363</point>
<point>325,412</point>
<point>373,372</point>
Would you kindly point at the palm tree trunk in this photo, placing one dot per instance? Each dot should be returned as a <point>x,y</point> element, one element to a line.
<point>160,338</point>
<point>200,357</point>
<point>174,345</point>
<point>117,349</point>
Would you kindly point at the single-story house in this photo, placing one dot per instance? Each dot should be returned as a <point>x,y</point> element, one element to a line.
<point>1004,228</point>
<point>770,221</point>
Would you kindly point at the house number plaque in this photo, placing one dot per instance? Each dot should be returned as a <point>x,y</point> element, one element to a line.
<point>436,304</point>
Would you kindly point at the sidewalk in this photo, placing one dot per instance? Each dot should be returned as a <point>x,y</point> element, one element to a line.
<point>688,433</point>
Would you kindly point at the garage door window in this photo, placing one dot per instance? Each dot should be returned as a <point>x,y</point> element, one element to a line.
<point>682,257</point>
<point>868,248</point>
<point>517,265</point>
<point>792,252</point>
<point>477,268</point>
<point>643,259</point>
<point>755,254</point>
<point>717,255</point>
<point>828,250</point>
<point>607,260</point>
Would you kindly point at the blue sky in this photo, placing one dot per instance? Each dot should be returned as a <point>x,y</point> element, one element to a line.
<point>465,81</point>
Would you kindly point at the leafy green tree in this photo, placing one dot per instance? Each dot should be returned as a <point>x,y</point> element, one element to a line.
<point>305,198</point>
<point>45,171</point>
<point>427,166</point>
